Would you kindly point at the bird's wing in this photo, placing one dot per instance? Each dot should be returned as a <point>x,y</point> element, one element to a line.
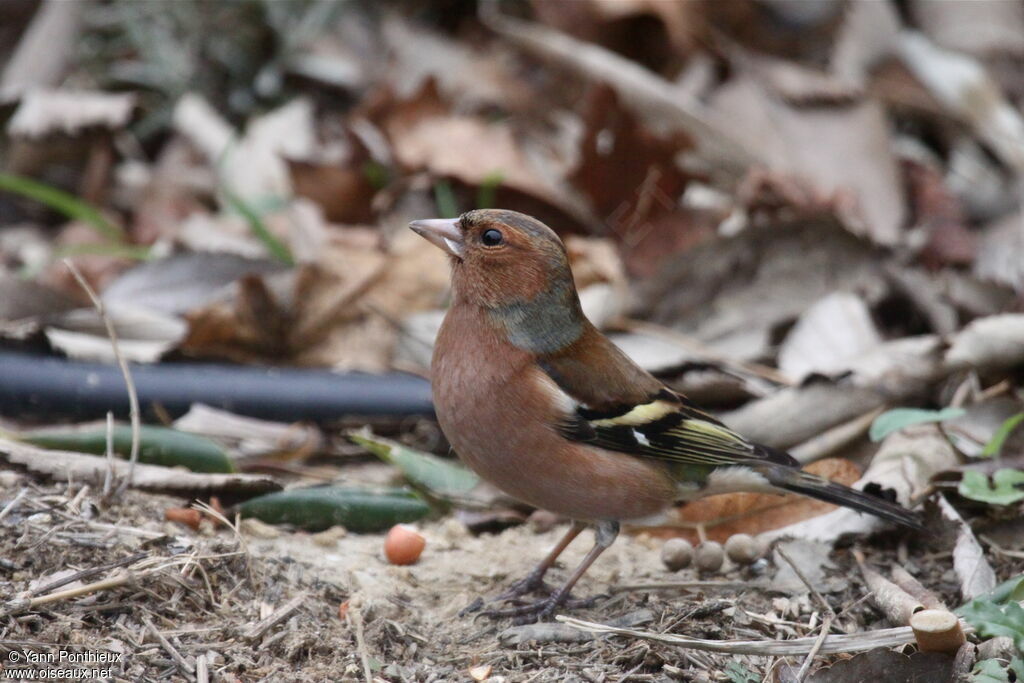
<point>669,430</point>
<point>619,406</point>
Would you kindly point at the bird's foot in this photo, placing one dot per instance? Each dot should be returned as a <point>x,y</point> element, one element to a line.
<point>531,583</point>
<point>540,610</point>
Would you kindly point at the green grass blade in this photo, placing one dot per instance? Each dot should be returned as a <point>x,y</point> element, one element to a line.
<point>60,201</point>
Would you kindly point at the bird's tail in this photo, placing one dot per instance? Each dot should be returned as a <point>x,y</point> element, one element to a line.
<point>817,487</point>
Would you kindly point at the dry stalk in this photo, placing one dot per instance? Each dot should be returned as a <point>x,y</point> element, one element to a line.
<point>133,397</point>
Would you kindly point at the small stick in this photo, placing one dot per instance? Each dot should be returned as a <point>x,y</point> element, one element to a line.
<point>826,626</point>
<point>905,580</point>
<point>118,579</point>
<point>814,591</point>
<point>109,452</point>
<point>89,573</point>
<point>355,619</point>
<point>937,630</point>
<point>166,644</point>
<point>683,585</point>
<point>133,397</point>
<point>856,642</point>
<point>275,617</point>
<point>14,503</point>
<point>202,669</point>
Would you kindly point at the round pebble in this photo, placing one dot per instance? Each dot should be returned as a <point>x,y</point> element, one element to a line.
<point>676,553</point>
<point>709,556</point>
<point>742,548</point>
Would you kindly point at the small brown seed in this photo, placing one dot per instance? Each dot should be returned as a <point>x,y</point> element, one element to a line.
<point>742,548</point>
<point>709,556</point>
<point>403,544</point>
<point>676,553</point>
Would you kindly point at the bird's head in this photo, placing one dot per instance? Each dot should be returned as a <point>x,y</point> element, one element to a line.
<point>499,257</point>
<point>515,267</point>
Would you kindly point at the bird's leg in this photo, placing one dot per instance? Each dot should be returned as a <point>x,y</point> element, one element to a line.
<point>604,535</point>
<point>535,579</point>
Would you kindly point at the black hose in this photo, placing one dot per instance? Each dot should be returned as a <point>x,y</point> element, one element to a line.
<point>47,386</point>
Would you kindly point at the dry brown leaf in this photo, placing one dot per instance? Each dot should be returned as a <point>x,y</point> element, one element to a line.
<point>628,173</point>
<point>625,26</point>
<point>939,213</point>
<point>340,311</point>
<point>754,513</point>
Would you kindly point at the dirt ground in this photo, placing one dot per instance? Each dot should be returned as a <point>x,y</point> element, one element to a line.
<point>205,594</point>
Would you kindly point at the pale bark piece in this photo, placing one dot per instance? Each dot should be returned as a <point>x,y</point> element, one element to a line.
<point>828,336</point>
<point>966,89</point>
<point>45,48</point>
<point>981,29</point>
<point>47,112</point>
<point>69,466</point>
<point>1001,252</point>
<point>892,373</point>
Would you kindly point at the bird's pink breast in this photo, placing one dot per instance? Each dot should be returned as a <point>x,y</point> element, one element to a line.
<point>500,420</point>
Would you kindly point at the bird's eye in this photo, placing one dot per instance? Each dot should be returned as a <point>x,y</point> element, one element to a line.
<point>492,238</point>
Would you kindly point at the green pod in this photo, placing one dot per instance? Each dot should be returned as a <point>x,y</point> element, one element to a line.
<point>357,509</point>
<point>157,446</point>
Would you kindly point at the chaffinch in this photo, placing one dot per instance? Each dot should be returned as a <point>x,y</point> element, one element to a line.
<point>537,401</point>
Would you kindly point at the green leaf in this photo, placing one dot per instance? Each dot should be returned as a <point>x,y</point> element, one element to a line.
<point>60,201</point>
<point>438,476</point>
<point>993,620</point>
<point>737,673</point>
<point>995,445</point>
<point>157,446</point>
<point>357,509</point>
<point>1004,489</point>
<point>898,418</point>
<point>990,671</point>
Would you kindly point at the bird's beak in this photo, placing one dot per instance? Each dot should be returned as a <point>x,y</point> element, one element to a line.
<point>442,232</point>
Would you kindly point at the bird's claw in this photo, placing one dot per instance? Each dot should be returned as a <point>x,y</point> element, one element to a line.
<point>540,610</point>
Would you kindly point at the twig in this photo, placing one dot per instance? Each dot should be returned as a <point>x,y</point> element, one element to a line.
<point>175,655</point>
<point>800,575</point>
<point>857,642</point>
<point>202,669</point>
<point>682,585</point>
<point>354,616</point>
<point>826,626</point>
<point>89,573</point>
<point>133,397</point>
<point>277,616</point>
<point>14,503</point>
<point>113,581</point>
<point>108,476</point>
